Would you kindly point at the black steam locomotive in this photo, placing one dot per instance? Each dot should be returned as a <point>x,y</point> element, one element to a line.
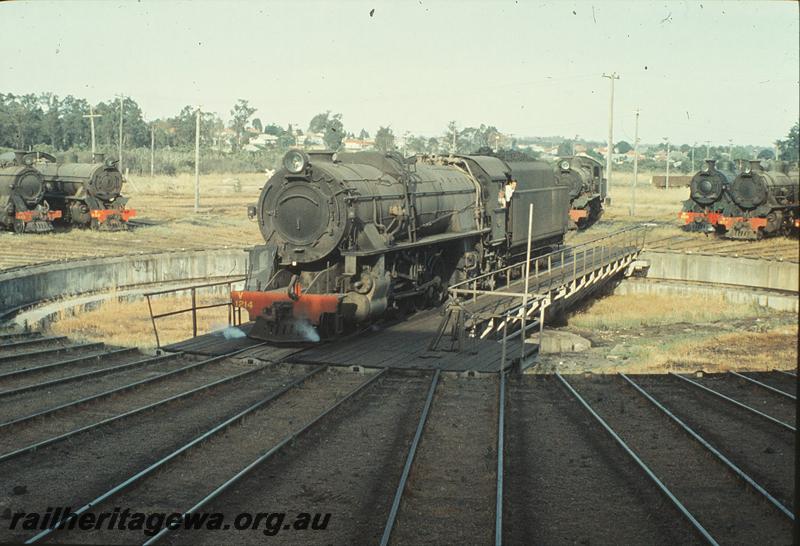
<point>87,194</point>
<point>351,235</point>
<point>23,207</point>
<point>709,199</point>
<point>751,205</point>
<point>767,202</point>
<point>587,188</point>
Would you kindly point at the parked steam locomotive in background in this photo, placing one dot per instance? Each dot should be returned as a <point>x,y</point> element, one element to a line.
<point>87,194</point>
<point>23,207</point>
<point>587,188</point>
<point>351,235</point>
<point>709,198</point>
<point>753,204</point>
<point>767,202</point>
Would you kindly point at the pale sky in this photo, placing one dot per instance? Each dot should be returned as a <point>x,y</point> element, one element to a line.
<point>698,71</point>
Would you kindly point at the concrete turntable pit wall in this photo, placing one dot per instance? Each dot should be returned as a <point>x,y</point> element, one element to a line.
<point>731,271</point>
<point>24,287</point>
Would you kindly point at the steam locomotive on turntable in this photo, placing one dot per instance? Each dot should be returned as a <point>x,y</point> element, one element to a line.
<point>751,205</point>
<point>349,236</point>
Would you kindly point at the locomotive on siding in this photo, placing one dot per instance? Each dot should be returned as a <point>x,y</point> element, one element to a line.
<point>766,201</point>
<point>709,199</point>
<point>350,236</point>
<point>584,176</point>
<point>87,194</point>
<point>23,207</point>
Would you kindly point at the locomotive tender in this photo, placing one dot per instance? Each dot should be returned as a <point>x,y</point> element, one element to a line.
<point>22,204</point>
<point>351,235</point>
<point>588,188</point>
<point>87,194</point>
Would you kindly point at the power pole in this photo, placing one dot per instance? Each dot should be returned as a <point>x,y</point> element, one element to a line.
<point>453,147</point>
<point>693,147</point>
<point>91,117</point>
<point>121,114</point>
<point>152,149</point>
<point>573,145</point>
<point>197,162</point>
<point>666,139</point>
<point>730,149</point>
<point>613,76</point>
<point>707,143</point>
<point>635,164</point>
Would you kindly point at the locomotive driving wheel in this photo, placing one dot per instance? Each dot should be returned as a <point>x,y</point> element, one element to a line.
<point>19,226</point>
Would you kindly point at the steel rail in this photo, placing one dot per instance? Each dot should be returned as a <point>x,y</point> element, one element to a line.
<point>784,372</point>
<point>183,449</point>
<point>35,341</point>
<point>65,349</point>
<point>677,503</point>
<point>21,335</point>
<point>498,521</point>
<point>94,373</point>
<point>265,456</point>
<point>412,450</point>
<point>736,470</point>
<point>122,388</point>
<point>46,367</point>
<point>734,402</point>
<point>135,411</point>
<point>764,385</point>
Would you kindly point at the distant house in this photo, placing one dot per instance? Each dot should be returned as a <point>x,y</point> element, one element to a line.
<point>261,142</point>
<point>357,144</point>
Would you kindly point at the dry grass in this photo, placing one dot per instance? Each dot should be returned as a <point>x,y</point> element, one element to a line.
<point>755,351</point>
<point>636,310</point>
<point>105,323</point>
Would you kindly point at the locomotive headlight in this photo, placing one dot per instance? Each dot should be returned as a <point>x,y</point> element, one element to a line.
<point>295,161</point>
<point>565,165</point>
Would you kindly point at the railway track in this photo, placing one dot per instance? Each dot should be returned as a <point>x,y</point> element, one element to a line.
<point>260,431</point>
<point>412,457</point>
<point>568,482</point>
<point>58,422</point>
<point>698,243</point>
<point>706,489</point>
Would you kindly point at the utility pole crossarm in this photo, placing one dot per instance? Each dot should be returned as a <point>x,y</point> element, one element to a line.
<point>91,115</point>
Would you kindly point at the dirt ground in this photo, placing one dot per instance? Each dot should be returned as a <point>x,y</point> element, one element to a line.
<point>658,334</point>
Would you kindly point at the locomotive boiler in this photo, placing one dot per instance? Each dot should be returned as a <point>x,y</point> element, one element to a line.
<point>709,199</point>
<point>22,204</point>
<point>87,194</point>
<point>349,236</point>
<point>766,201</point>
<point>584,176</point>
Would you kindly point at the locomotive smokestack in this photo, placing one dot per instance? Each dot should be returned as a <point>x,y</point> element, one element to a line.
<point>18,155</point>
<point>711,164</point>
<point>98,157</point>
<point>755,165</point>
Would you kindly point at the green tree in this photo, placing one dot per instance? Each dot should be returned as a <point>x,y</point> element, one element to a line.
<point>257,125</point>
<point>275,130</point>
<point>790,147</point>
<point>363,135</point>
<point>565,148</point>
<point>384,139</point>
<point>623,147</point>
<point>766,153</point>
<point>240,115</point>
